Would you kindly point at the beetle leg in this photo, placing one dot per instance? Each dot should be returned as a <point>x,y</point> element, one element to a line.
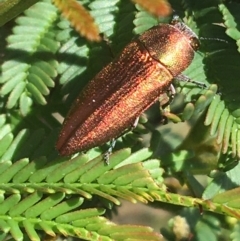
<point>113,141</point>
<point>165,99</point>
<point>109,151</point>
<point>182,77</point>
<point>173,90</point>
<point>135,123</point>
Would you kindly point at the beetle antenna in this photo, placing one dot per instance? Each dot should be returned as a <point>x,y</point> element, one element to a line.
<point>216,39</point>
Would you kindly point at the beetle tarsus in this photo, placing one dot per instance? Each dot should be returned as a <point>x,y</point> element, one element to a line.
<point>106,157</point>
<point>135,123</point>
<point>182,77</point>
<point>107,154</point>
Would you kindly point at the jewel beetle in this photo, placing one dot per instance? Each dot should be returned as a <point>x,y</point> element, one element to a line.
<point>126,87</point>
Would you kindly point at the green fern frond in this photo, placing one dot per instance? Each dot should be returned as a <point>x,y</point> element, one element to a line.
<point>27,143</point>
<point>30,72</point>
<point>36,212</point>
<point>130,179</point>
<point>138,181</point>
<point>10,9</point>
<point>143,21</point>
<point>104,13</point>
<point>230,15</point>
<point>52,216</point>
<point>75,61</point>
<point>222,113</point>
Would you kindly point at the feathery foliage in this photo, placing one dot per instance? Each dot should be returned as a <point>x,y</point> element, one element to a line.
<point>44,65</point>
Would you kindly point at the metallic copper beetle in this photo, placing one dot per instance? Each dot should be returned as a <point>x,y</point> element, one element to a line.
<point>126,87</point>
